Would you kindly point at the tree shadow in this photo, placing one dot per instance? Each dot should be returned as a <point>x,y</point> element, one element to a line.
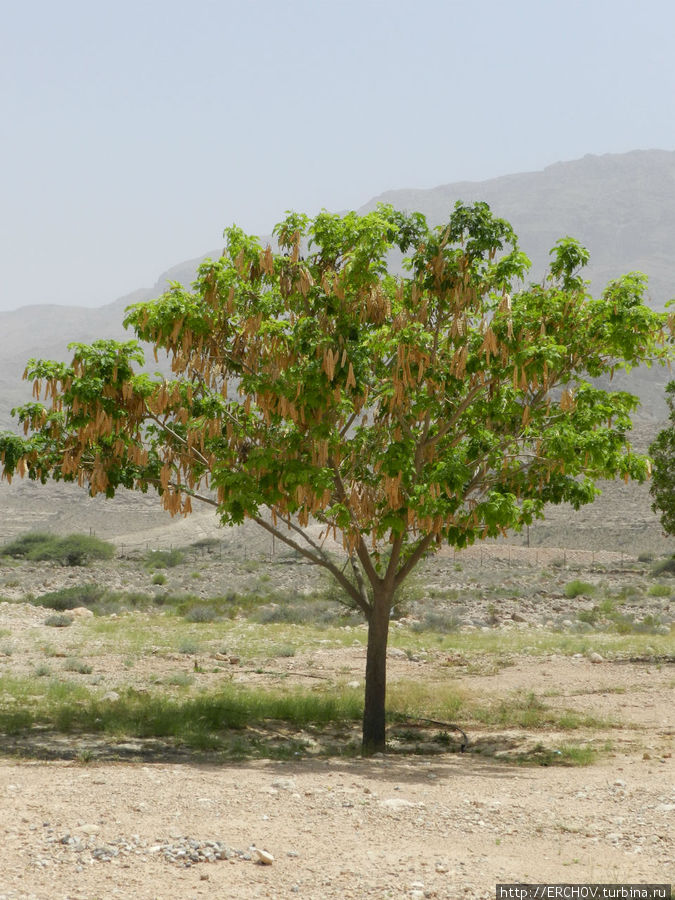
<point>316,750</point>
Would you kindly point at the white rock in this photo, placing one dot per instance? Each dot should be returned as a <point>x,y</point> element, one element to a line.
<point>81,612</point>
<point>285,784</point>
<point>111,695</point>
<point>396,803</point>
<point>596,657</point>
<point>264,858</point>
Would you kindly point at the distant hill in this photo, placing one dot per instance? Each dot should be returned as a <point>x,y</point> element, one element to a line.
<point>620,206</point>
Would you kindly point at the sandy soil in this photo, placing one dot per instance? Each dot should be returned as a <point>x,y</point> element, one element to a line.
<point>400,826</point>
<point>446,828</point>
<point>451,826</point>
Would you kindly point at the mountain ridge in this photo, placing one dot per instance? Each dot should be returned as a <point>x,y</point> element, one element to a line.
<point>621,206</point>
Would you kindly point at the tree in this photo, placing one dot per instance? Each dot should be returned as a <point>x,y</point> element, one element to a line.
<point>446,404</point>
<point>663,482</point>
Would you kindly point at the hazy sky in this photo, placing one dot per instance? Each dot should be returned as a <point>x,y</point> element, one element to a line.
<point>134,131</point>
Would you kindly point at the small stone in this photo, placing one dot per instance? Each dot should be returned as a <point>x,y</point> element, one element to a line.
<point>596,658</point>
<point>284,784</point>
<point>396,803</point>
<point>264,858</point>
<point>111,696</point>
<point>204,876</point>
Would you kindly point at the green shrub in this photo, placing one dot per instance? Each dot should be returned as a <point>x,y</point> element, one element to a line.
<point>645,557</point>
<point>282,651</point>
<point>22,546</point>
<point>660,590</point>
<point>60,620</point>
<point>159,578</point>
<point>438,620</point>
<point>201,613</point>
<point>75,550</point>
<point>72,597</point>
<point>664,567</point>
<point>164,559</point>
<point>76,665</point>
<point>589,616</point>
<point>576,588</point>
<point>300,611</point>
<point>72,550</point>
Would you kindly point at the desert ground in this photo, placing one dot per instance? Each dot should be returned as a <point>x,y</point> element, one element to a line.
<point>572,783</point>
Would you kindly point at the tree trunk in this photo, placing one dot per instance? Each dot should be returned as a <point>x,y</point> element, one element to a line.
<point>376,676</point>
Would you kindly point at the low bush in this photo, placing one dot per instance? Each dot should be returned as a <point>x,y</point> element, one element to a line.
<point>300,611</point>
<point>164,559</point>
<point>201,613</point>
<point>576,588</point>
<point>438,620</point>
<point>70,598</point>
<point>664,567</point>
<point>72,550</point>
<point>660,590</point>
<point>22,546</point>
<point>60,620</point>
<point>76,665</point>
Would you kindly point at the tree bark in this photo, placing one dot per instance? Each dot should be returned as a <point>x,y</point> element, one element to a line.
<point>376,675</point>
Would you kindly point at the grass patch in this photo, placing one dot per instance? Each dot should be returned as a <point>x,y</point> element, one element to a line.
<point>201,721</point>
<point>282,651</point>
<point>180,679</point>
<point>566,755</point>
<point>660,590</point>
<point>528,711</point>
<point>76,665</point>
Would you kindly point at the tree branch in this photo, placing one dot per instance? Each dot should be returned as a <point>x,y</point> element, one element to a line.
<point>322,560</point>
<point>418,553</point>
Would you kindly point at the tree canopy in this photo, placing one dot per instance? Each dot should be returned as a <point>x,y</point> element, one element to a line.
<point>401,409</point>
<point>663,481</point>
